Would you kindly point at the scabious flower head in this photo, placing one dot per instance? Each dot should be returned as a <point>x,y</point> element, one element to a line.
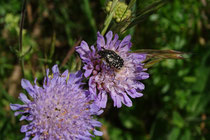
<point>105,80</point>
<point>58,110</point>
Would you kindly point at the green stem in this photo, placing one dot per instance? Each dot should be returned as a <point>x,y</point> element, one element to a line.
<point>22,66</point>
<point>109,17</point>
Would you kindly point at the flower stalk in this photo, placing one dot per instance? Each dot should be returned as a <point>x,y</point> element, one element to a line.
<point>110,16</point>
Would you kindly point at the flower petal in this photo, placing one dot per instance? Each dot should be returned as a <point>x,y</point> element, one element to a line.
<point>140,86</point>
<point>109,36</point>
<point>102,99</point>
<point>88,70</point>
<point>84,51</point>
<point>28,87</point>
<point>142,76</point>
<point>127,101</point>
<point>75,77</point>
<point>133,93</point>
<point>55,69</point>
<point>36,137</point>
<point>116,98</point>
<point>92,86</point>
<point>96,123</point>
<point>125,41</point>
<point>24,128</point>
<point>100,41</point>
<point>26,138</point>
<point>97,133</point>
<point>113,42</point>
<point>17,107</point>
<point>65,74</point>
<point>24,98</point>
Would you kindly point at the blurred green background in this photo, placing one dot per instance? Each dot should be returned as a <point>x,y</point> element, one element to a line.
<point>176,101</point>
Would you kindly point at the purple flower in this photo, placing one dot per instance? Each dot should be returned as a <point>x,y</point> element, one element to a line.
<point>60,109</point>
<point>106,80</point>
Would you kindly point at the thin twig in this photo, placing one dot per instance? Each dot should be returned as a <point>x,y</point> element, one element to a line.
<point>70,52</point>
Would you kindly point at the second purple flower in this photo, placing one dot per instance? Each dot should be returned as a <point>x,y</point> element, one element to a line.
<point>119,82</point>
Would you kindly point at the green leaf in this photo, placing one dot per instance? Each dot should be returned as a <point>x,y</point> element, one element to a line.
<point>174,134</point>
<point>88,12</point>
<point>131,4</point>
<point>177,119</point>
<point>146,12</point>
<point>201,78</point>
<point>197,103</point>
<point>186,135</point>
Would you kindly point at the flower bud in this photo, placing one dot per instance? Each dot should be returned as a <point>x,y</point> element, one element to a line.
<point>122,12</point>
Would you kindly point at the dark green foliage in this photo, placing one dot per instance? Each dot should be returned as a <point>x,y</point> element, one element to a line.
<point>175,104</point>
